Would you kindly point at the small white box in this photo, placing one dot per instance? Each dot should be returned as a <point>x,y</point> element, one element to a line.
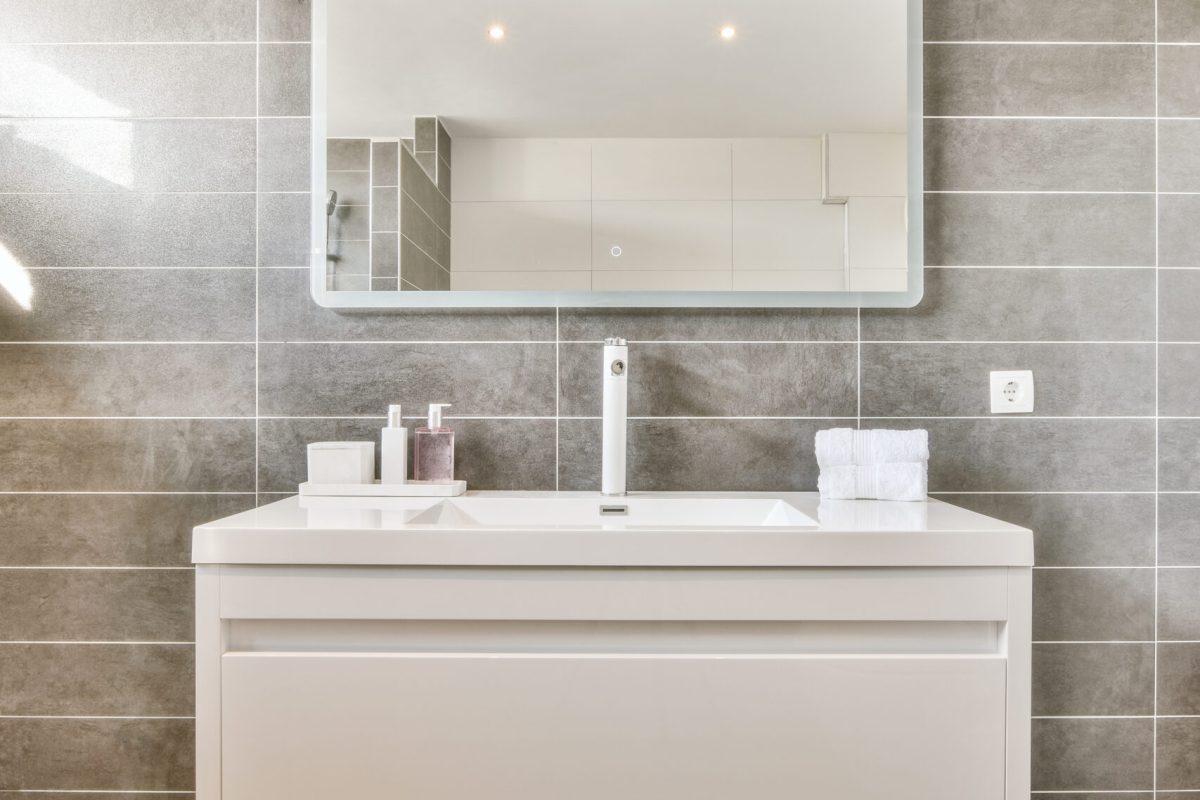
<point>341,462</point>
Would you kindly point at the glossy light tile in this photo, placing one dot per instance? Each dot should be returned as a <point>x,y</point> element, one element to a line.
<point>97,305</point>
<point>1093,679</point>
<point>1179,604</point>
<point>1084,605</point>
<point>150,80</point>
<point>113,155</point>
<point>1099,754</point>
<point>129,230</point>
<point>1179,530</point>
<point>777,169</point>
<point>489,454</point>
<point>1179,155</point>
<point>1039,20</point>
<point>283,80</point>
<point>1179,455</point>
<point>1091,155</point>
<point>103,455</point>
<point>650,235</point>
<point>1178,234</point>
<point>696,455</point>
<point>1178,90</point>
<point>283,230</point>
<point>1089,305</point>
<point>159,380</point>
<point>661,169</point>
<point>1078,230</point>
<point>284,156</point>
<point>788,235</point>
<point>346,379</point>
<point>1076,530</point>
<point>97,679</point>
<point>111,605</point>
<point>502,236</point>
<point>732,380</point>
<point>1179,678</point>
<point>952,379</point>
<point>1039,80</point>
<point>527,170</point>
<point>107,530</point>
<point>132,754</point>
<point>1178,748</point>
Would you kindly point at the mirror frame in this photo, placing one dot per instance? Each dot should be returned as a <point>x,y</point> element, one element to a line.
<point>661,299</point>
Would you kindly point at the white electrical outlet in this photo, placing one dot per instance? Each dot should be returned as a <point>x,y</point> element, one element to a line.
<point>1012,392</point>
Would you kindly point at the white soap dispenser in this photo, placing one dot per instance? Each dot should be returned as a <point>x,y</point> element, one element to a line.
<point>393,449</point>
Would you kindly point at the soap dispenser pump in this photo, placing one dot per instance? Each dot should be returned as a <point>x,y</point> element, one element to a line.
<point>433,456</point>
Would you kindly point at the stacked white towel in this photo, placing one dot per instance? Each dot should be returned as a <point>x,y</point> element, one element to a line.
<point>873,464</point>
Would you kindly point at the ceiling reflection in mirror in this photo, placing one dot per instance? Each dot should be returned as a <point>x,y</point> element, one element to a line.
<point>616,146</point>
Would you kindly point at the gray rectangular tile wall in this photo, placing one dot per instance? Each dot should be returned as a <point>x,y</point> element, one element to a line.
<point>1052,248</point>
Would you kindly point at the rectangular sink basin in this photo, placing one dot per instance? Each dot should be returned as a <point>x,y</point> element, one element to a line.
<point>615,512</point>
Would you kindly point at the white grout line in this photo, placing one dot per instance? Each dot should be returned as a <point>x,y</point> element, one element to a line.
<point>1157,411</point>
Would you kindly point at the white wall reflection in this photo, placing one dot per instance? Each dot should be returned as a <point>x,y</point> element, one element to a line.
<point>14,278</point>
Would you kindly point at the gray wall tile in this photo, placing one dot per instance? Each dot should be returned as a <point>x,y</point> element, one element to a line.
<point>1179,530</point>
<point>419,269</point>
<point>1179,455</point>
<point>135,754</point>
<point>1178,748</point>
<point>1179,379</point>
<point>952,379</point>
<point>423,231</point>
<point>150,80</point>
<point>346,379</point>
<point>385,213</point>
<point>145,155</point>
<point>489,454</point>
<point>1037,80</point>
<point>97,679</point>
<point>1178,90</point>
<point>1040,20</point>
<point>1100,754</point>
<point>283,230</point>
<point>346,153</point>
<point>1091,155</point>
<point>1178,234</point>
<point>1093,679</point>
<point>1179,155</point>
<point>1081,230</point>
<point>385,165</point>
<point>282,143</point>
<point>129,230</point>
<point>128,21</point>
<point>1179,604</point>
<point>734,380</point>
<point>691,454</point>
<point>167,455</point>
<point>283,82</point>
<point>97,305</point>
<point>1178,299</point>
<point>285,20</point>
<point>353,188</point>
<point>385,256</point>
<point>994,305</point>
<point>709,324</point>
<point>111,605</point>
<point>1178,21</point>
<point>1076,530</point>
<point>1179,678</point>
<point>158,380</point>
<point>107,530</point>
<point>1073,605</point>
<point>1036,455</point>
<point>287,313</point>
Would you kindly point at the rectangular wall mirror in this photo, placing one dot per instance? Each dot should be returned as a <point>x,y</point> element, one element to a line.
<point>654,153</point>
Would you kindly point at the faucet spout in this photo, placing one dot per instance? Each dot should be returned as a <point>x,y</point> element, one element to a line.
<point>616,394</point>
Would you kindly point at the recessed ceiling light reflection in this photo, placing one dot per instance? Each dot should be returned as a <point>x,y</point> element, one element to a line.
<point>728,32</point>
<point>496,32</point>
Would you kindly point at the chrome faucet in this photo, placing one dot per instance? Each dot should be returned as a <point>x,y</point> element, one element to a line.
<point>616,394</point>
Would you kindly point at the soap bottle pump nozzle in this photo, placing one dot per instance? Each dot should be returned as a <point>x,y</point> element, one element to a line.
<point>435,415</point>
<point>394,418</point>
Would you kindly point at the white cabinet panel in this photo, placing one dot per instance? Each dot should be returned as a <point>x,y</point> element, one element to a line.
<point>866,165</point>
<point>590,726</point>
<point>521,169</point>
<point>788,234</point>
<point>521,236</point>
<point>660,169</point>
<point>661,235</point>
<point>878,233</point>
<point>777,169</point>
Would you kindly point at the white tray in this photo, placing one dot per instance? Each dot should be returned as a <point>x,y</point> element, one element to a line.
<point>377,489</point>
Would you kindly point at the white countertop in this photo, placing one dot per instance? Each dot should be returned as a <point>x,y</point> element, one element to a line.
<point>382,531</point>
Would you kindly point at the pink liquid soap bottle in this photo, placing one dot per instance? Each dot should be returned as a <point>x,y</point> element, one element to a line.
<point>433,456</point>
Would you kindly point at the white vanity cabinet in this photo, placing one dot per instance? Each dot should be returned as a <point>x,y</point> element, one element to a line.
<point>838,667</point>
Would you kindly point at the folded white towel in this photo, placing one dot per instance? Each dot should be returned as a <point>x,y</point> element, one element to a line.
<point>839,447</point>
<point>875,482</point>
